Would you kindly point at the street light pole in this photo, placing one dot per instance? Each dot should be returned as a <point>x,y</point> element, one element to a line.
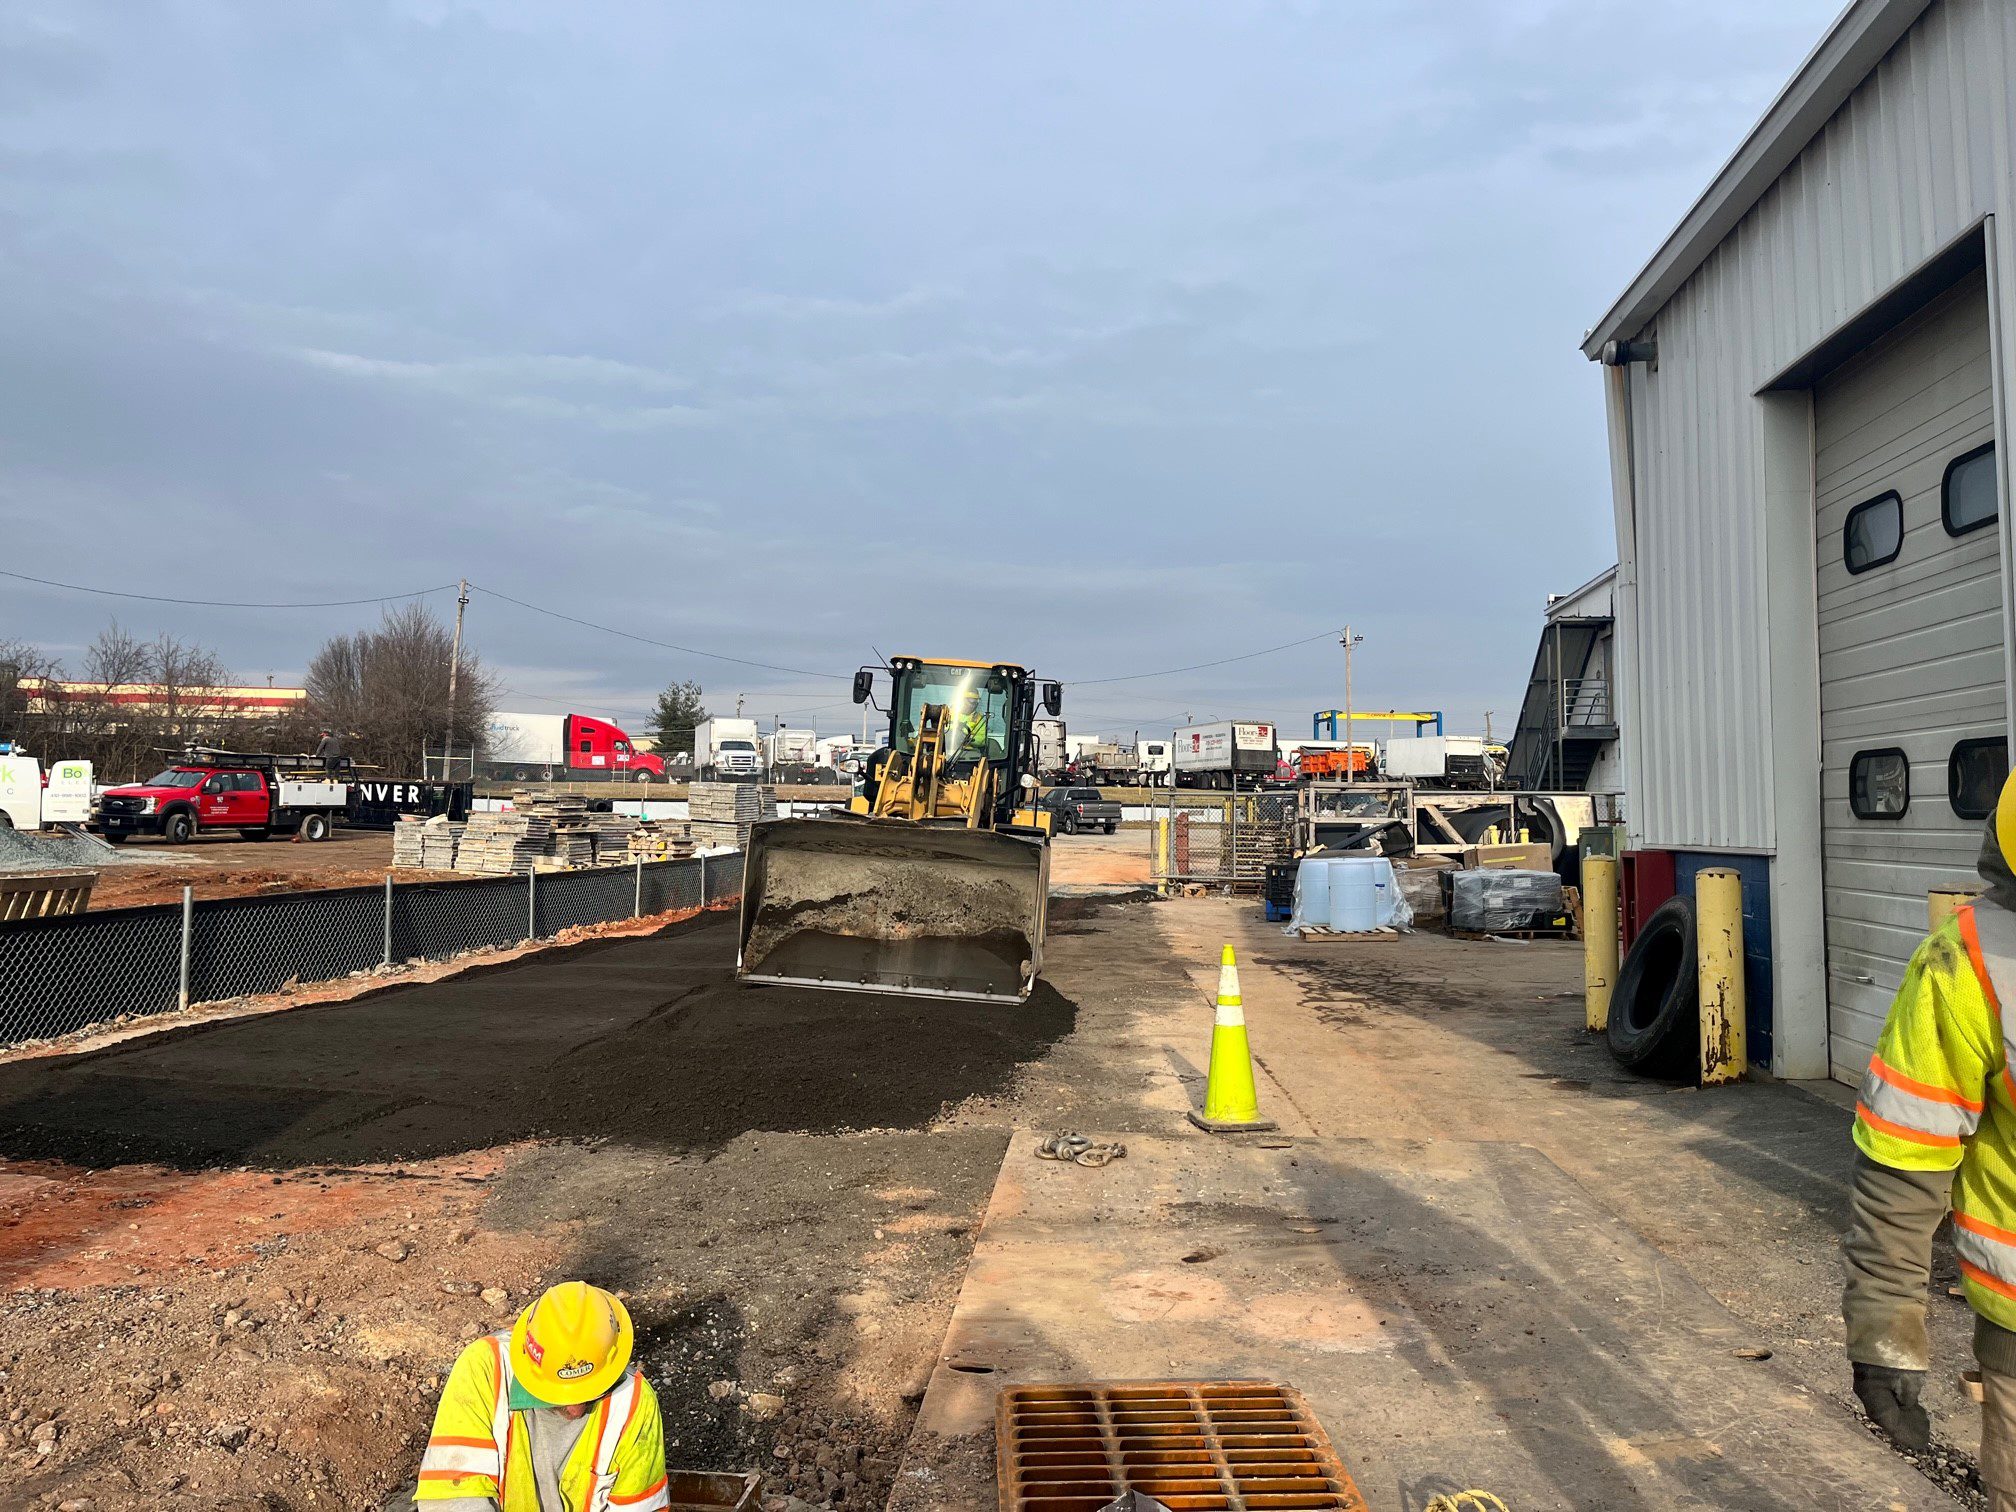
<point>1347,640</point>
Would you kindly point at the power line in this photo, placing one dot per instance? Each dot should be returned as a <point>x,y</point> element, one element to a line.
<point>741,661</point>
<point>155,598</point>
<point>1086,682</point>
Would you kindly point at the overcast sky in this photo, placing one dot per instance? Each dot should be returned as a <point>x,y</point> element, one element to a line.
<point>1108,337</point>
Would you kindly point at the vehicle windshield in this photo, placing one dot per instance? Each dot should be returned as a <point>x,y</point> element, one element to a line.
<point>977,704</point>
<point>738,745</point>
<point>175,777</point>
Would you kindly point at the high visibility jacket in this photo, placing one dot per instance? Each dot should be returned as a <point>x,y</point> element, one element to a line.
<point>1940,1096</point>
<point>480,1447</point>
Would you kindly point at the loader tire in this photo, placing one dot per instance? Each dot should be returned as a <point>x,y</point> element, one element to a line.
<point>1655,1019</point>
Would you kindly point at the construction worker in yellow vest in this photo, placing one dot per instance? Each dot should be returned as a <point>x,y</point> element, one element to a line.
<point>548,1417</point>
<point>1936,1124</point>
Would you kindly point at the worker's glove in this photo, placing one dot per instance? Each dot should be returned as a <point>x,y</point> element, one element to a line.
<point>1890,1397</point>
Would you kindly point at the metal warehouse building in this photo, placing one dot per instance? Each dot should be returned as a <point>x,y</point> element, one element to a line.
<point>1806,387</point>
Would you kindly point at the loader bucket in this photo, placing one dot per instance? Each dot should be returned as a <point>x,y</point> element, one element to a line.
<point>887,905</point>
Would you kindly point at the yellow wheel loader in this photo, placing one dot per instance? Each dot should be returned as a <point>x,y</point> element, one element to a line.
<point>937,879</point>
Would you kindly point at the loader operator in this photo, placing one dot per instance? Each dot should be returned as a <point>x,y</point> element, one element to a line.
<point>548,1417</point>
<point>1936,1122</point>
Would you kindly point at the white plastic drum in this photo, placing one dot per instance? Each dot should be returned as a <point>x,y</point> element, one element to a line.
<point>1312,892</point>
<point>1361,893</point>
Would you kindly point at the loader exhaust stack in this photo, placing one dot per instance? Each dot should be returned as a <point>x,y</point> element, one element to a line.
<point>889,905</point>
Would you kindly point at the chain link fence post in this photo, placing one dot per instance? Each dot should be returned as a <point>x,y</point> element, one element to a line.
<point>388,918</point>
<point>188,928</point>
<point>532,904</point>
<point>637,906</point>
<point>704,899</point>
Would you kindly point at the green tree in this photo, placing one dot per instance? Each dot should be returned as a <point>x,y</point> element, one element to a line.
<point>679,710</point>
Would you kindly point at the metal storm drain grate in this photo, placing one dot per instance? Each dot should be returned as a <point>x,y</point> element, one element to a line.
<point>1235,1445</point>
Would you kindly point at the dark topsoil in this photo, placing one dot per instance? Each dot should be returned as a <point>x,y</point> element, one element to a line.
<point>650,1042</point>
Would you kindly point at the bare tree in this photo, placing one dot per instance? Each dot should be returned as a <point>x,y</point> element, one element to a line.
<point>26,673</point>
<point>142,697</point>
<point>386,690</point>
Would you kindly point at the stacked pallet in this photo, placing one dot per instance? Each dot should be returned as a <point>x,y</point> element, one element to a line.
<point>506,844</point>
<point>661,840</point>
<point>722,812</point>
<point>572,845</point>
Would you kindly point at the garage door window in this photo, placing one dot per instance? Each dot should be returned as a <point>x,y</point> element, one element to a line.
<point>1873,533</point>
<point>1974,776</point>
<point>1967,498</point>
<point>1879,784</point>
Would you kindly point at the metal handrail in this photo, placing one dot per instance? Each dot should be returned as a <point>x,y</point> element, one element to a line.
<point>1585,701</point>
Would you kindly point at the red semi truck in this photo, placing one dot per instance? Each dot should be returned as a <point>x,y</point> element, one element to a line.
<point>550,747</point>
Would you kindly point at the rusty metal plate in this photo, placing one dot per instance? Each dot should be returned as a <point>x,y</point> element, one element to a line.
<point>1195,1446</point>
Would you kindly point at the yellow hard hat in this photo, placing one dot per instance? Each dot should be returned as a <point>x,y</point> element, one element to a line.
<point>571,1345</point>
<point>2005,821</point>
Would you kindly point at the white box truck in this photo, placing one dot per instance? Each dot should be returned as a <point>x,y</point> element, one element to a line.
<point>727,750</point>
<point>1224,752</point>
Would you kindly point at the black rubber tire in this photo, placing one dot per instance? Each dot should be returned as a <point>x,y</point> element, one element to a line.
<point>1070,824</point>
<point>1111,827</point>
<point>1655,1014</point>
<point>314,827</point>
<point>260,833</point>
<point>179,828</point>
<point>110,837</point>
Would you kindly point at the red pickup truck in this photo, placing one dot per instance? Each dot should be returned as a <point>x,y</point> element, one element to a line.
<point>209,793</point>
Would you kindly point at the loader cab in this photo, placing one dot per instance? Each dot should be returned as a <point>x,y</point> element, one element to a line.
<point>990,711</point>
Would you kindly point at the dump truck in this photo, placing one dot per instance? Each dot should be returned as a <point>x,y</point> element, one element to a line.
<point>936,879</point>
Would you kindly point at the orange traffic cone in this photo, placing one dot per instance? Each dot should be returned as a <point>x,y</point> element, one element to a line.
<point>1231,1101</point>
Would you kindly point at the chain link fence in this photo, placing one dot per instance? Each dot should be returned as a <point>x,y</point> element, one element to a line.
<point>59,975</point>
<point>1219,839</point>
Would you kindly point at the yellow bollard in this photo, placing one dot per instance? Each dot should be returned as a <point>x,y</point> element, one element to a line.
<point>1718,949</point>
<point>1231,1100</point>
<point>1941,903</point>
<point>1600,926</point>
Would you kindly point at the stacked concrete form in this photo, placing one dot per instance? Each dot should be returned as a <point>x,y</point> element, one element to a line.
<point>426,845</point>
<point>723,811</point>
<point>504,844</point>
<point>612,834</point>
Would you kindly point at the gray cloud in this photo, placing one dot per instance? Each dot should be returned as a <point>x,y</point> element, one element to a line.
<point>1113,337</point>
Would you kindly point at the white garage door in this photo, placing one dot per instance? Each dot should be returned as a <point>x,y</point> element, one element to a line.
<point>1911,657</point>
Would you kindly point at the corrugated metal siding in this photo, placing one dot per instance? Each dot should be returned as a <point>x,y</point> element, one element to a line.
<point>1918,155</point>
<point>1910,650</point>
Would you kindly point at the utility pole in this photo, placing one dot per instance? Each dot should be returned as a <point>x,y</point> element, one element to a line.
<point>454,667</point>
<point>1347,640</point>
<point>738,705</point>
<point>1490,776</point>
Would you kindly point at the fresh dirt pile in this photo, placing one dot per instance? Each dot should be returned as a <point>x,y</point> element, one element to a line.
<point>259,1343</point>
<point>646,1040</point>
<point>790,1288</point>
